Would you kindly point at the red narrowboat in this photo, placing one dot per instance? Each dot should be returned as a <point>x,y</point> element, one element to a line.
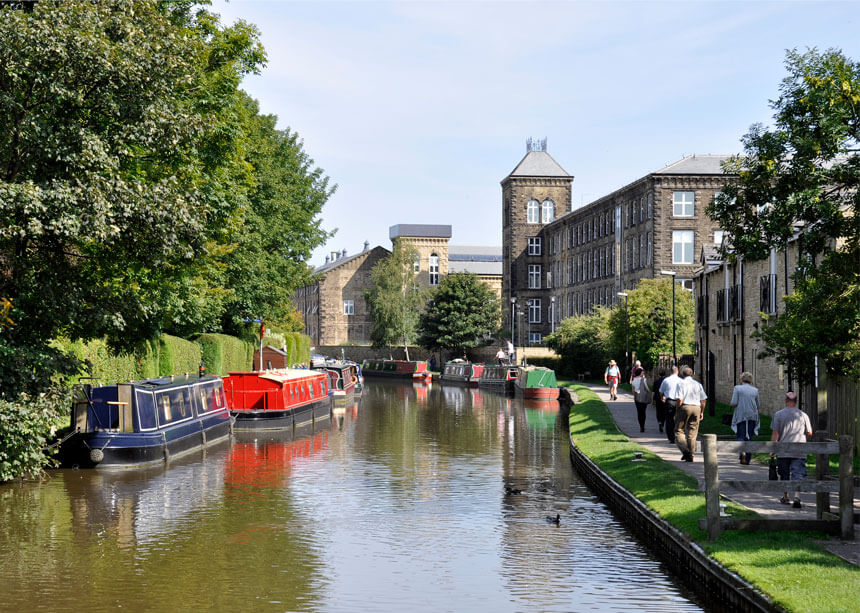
<point>277,399</point>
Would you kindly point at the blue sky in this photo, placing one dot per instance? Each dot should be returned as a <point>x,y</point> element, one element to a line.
<point>417,110</point>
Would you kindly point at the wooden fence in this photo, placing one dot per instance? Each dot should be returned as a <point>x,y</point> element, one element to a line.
<point>842,526</point>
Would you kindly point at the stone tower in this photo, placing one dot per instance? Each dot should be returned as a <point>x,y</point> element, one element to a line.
<point>536,192</point>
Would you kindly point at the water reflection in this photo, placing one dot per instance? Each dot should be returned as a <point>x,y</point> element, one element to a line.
<point>412,497</point>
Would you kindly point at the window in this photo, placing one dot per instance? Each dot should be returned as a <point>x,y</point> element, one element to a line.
<point>416,264</point>
<point>682,204</point>
<point>682,246</point>
<point>349,307</point>
<point>549,279</point>
<point>533,211</point>
<point>718,237</point>
<point>548,211</point>
<point>534,245</point>
<point>434,269</point>
<point>534,276</point>
<point>534,310</point>
<point>535,338</point>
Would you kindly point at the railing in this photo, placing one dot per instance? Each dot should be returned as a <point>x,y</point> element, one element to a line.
<point>722,315</point>
<point>736,303</point>
<point>702,311</point>
<point>843,525</point>
<point>767,294</point>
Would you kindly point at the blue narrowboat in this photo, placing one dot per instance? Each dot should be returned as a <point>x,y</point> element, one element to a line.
<point>145,422</point>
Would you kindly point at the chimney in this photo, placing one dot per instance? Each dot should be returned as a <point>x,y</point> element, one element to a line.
<point>343,255</point>
<point>366,245</point>
<point>327,259</point>
<point>333,256</point>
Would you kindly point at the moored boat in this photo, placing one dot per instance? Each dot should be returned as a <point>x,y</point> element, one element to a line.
<point>536,382</point>
<point>145,422</point>
<point>462,372</point>
<point>343,375</point>
<point>498,377</point>
<point>277,399</point>
<point>407,369</point>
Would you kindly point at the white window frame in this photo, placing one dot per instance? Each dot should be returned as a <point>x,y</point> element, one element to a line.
<point>682,206</point>
<point>547,210</point>
<point>535,338</point>
<point>433,265</point>
<point>534,245</point>
<point>534,310</point>
<point>718,236</point>
<point>533,211</point>
<point>683,246</point>
<point>349,307</point>
<point>534,276</point>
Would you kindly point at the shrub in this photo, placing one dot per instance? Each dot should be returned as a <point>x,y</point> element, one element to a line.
<point>25,424</point>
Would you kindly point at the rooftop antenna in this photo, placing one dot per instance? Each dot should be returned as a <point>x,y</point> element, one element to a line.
<point>535,144</point>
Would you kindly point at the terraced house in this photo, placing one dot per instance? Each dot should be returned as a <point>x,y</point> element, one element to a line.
<point>560,262</point>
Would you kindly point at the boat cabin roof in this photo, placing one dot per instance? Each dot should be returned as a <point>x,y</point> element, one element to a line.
<point>160,383</point>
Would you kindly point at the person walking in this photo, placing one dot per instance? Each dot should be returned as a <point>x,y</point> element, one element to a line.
<point>670,391</point>
<point>791,425</point>
<point>636,365</point>
<point>745,420</point>
<point>610,377</point>
<point>659,405</point>
<point>641,395</point>
<point>500,356</point>
<point>690,413</point>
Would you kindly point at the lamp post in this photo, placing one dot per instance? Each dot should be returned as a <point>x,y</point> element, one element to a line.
<point>513,358</point>
<point>519,315</point>
<point>671,273</point>
<point>552,314</point>
<point>626,332</point>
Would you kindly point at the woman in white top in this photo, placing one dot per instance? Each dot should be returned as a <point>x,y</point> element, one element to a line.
<point>610,377</point>
<point>641,395</point>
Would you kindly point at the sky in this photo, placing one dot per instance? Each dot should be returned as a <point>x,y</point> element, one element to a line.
<point>418,110</point>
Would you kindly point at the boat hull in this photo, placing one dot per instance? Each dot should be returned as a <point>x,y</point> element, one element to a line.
<point>402,369</point>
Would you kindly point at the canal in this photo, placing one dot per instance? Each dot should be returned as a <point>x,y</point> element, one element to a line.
<point>414,498</point>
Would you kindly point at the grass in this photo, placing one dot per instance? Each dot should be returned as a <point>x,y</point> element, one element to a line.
<point>790,567</point>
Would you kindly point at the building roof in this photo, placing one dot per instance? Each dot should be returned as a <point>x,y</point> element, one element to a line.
<point>419,230</point>
<point>493,268</point>
<point>695,165</point>
<point>343,259</point>
<point>539,164</point>
<point>474,253</point>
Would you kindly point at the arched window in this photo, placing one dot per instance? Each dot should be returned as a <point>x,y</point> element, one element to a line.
<point>548,211</point>
<point>533,211</point>
<point>434,269</point>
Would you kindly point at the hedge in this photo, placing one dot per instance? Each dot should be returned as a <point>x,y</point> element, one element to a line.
<point>223,354</point>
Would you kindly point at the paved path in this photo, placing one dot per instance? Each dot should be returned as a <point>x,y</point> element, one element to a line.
<point>767,505</point>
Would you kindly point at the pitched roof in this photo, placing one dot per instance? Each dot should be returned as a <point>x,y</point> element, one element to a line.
<point>539,164</point>
<point>343,260</point>
<point>695,165</point>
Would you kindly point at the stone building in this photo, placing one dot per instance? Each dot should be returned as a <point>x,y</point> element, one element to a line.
<point>562,262</point>
<point>333,307</point>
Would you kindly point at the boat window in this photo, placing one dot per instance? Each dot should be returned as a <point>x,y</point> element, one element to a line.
<point>211,396</point>
<point>310,389</point>
<point>145,403</point>
<point>173,405</point>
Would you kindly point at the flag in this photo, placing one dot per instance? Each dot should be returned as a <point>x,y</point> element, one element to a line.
<point>262,329</point>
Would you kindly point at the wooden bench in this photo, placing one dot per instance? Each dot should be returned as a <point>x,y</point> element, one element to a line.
<point>843,525</point>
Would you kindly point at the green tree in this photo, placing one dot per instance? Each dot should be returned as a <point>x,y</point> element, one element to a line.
<point>582,341</point>
<point>800,178</point>
<point>394,298</point>
<point>649,333</point>
<point>462,311</point>
<point>119,172</point>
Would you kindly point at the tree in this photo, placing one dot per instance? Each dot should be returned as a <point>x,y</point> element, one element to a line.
<point>582,341</point>
<point>462,311</point>
<point>800,179</point>
<point>394,299</point>
<point>119,172</point>
<point>648,332</point>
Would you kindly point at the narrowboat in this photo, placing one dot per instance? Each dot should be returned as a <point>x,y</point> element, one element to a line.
<point>500,378</point>
<point>460,371</point>
<point>342,375</point>
<point>536,382</point>
<point>277,399</point>
<point>406,369</point>
<point>145,422</point>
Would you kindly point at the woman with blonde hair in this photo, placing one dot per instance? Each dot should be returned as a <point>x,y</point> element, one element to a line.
<point>745,420</point>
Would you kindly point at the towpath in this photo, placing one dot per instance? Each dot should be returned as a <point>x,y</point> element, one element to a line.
<point>767,505</point>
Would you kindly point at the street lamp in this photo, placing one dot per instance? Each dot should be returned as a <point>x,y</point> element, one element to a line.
<point>626,332</point>
<point>552,313</point>
<point>513,358</point>
<point>671,273</point>
<point>519,315</point>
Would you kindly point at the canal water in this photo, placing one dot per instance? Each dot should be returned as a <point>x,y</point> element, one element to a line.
<point>413,498</point>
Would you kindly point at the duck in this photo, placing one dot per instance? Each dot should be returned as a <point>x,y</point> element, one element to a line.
<point>553,520</point>
<point>512,491</point>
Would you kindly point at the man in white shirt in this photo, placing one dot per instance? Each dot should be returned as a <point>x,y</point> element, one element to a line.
<point>791,425</point>
<point>690,413</point>
<point>670,391</point>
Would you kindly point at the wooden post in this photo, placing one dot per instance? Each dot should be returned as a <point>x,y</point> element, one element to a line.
<point>846,487</point>
<point>712,485</point>
<point>822,467</point>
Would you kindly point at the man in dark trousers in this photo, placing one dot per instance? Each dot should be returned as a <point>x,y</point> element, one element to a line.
<point>670,390</point>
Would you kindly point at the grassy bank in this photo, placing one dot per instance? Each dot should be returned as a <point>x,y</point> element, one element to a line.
<point>788,566</point>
